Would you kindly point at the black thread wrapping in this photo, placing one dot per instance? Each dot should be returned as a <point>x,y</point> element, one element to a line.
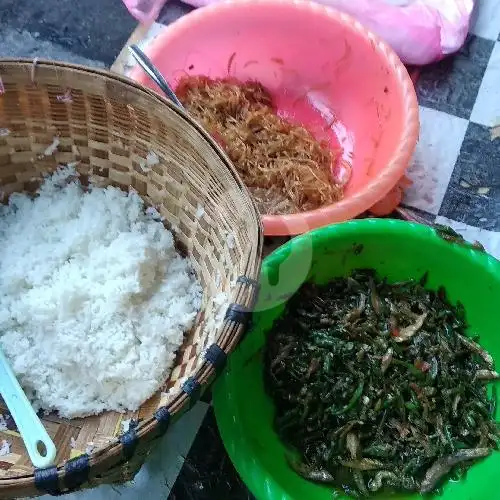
<point>216,357</point>
<point>192,388</point>
<point>46,480</point>
<point>129,441</point>
<point>162,416</point>
<point>238,314</point>
<point>76,472</point>
<point>245,280</point>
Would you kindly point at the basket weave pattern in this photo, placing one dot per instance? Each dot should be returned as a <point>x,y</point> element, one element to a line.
<point>108,125</point>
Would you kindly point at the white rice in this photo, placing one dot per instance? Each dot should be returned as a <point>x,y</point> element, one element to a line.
<point>50,150</point>
<point>94,299</point>
<point>152,159</point>
<point>4,448</point>
<point>200,211</point>
<point>125,425</point>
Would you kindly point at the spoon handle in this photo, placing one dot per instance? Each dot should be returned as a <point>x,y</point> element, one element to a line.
<point>39,445</point>
<point>146,64</point>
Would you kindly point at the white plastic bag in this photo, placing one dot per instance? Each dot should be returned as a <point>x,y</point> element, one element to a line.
<point>420,31</point>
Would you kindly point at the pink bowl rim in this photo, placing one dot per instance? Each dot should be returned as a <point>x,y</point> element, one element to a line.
<point>377,188</point>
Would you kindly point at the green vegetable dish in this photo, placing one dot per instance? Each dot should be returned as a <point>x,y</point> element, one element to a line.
<point>378,387</point>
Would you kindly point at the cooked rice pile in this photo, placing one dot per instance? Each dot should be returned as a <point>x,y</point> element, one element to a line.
<point>94,299</point>
<point>285,167</point>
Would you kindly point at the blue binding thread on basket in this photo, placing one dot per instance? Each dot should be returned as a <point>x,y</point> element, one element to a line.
<point>216,357</point>
<point>162,416</point>
<point>76,472</point>
<point>245,280</point>
<point>192,388</point>
<point>238,314</point>
<point>129,440</point>
<point>47,481</point>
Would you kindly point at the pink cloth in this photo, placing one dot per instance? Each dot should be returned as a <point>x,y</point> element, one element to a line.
<point>420,31</point>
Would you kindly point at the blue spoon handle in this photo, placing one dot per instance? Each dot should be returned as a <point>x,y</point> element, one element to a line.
<point>40,447</point>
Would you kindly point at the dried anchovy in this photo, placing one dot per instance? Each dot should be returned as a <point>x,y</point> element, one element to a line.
<point>487,375</point>
<point>408,332</point>
<point>378,386</point>
<point>443,466</point>
<point>478,349</point>
<point>315,475</point>
<point>376,483</point>
<point>450,235</point>
<point>363,464</point>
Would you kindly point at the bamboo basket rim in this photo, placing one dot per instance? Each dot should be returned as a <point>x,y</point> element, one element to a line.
<point>37,62</point>
<point>205,372</point>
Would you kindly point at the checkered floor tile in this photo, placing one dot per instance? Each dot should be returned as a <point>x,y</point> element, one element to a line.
<point>456,167</point>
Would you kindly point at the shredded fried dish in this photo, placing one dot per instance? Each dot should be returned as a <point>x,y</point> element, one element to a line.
<point>286,169</point>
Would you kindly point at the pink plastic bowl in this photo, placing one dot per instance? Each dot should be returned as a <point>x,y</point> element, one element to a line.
<point>325,70</point>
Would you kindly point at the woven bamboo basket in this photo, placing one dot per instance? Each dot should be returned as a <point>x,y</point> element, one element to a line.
<point>108,124</point>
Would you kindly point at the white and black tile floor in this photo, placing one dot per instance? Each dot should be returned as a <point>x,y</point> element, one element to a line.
<point>456,174</point>
<point>456,169</point>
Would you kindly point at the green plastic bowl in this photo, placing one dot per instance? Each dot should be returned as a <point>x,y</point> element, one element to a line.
<point>396,249</point>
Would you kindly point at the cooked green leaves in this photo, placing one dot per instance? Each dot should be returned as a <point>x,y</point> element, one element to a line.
<point>378,386</point>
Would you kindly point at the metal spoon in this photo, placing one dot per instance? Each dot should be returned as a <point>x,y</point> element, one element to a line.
<point>40,447</point>
<point>153,73</point>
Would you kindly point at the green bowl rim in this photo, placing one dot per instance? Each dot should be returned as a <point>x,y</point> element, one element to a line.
<point>375,226</point>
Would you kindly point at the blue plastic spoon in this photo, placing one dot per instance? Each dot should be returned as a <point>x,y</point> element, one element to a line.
<point>40,447</point>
